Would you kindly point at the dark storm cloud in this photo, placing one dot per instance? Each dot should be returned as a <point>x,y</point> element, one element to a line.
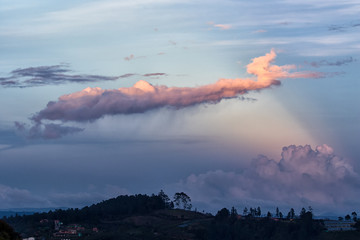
<point>329,63</point>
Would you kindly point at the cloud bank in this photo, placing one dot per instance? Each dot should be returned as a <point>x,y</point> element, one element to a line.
<point>12,197</point>
<point>93,103</point>
<point>302,177</point>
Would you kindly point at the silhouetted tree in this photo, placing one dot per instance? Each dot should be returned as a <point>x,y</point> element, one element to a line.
<point>182,199</point>
<point>222,215</point>
<point>281,215</point>
<point>277,212</point>
<point>269,214</point>
<point>347,217</point>
<point>233,213</point>
<point>291,214</point>
<point>7,232</point>
<point>258,211</point>
<point>245,211</point>
<point>165,198</point>
<point>354,215</point>
<point>302,212</point>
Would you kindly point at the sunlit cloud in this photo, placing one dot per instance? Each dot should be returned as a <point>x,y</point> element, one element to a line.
<point>220,26</point>
<point>94,103</point>
<point>302,177</point>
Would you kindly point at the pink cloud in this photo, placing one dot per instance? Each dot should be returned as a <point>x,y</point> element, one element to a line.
<point>260,31</point>
<point>223,26</point>
<point>93,103</point>
<point>128,58</point>
<point>302,177</point>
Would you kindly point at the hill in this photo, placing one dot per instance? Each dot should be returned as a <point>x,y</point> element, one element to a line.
<point>154,217</point>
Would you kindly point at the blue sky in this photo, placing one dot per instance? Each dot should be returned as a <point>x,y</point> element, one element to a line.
<point>209,149</point>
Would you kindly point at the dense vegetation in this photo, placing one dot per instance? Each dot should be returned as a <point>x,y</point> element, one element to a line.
<point>154,217</point>
<point>7,232</point>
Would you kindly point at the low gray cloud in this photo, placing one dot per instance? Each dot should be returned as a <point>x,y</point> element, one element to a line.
<point>45,131</point>
<point>12,197</point>
<point>341,62</point>
<point>302,177</point>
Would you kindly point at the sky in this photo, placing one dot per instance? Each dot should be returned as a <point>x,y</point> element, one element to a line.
<point>236,103</point>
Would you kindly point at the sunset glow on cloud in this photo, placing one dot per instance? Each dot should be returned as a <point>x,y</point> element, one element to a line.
<point>302,176</point>
<point>93,103</point>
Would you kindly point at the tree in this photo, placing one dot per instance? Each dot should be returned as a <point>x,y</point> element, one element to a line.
<point>281,215</point>
<point>340,218</point>
<point>222,215</point>
<point>182,199</point>
<point>165,199</point>
<point>258,212</point>
<point>291,214</point>
<point>354,215</point>
<point>233,212</point>
<point>245,211</point>
<point>269,214</point>
<point>277,212</point>
<point>347,217</point>
<point>7,232</point>
<point>252,212</point>
<point>303,211</point>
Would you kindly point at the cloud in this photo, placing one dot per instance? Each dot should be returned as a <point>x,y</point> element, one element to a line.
<point>11,197</point>
<point>49,75</point>
<point>93,103</point>
<point>344,27</point>
<point>127,75</point>
<point>46,131</point>
<point>14,197</point>
<point>56,75</point>
<point>129,57</point>
<point>154,74</point>
<point>221,26</point>
<point>336,63</point>
<point>260,31</point>
<point>302,177</point>
<point>132,57</point>
<point>86,198</point>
